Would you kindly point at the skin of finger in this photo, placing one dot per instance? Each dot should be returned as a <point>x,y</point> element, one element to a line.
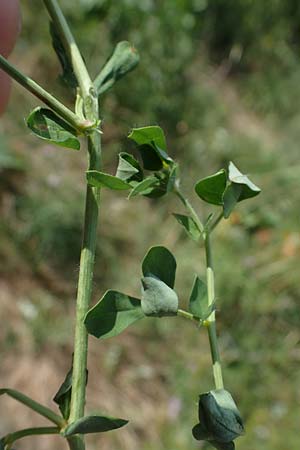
<point>10,23</point>
<point>5,86</point>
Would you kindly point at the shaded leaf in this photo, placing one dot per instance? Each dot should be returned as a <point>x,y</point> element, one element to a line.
<point>160,263</point>
<point>63,396</point>
<point>158,299</point>
<point>231,198</point>
<point>46,125</point>
<point>198,302</point>
<point>123,59</point>
<point>68,75</point>
<point>211,189</point>
<point>200,433</point>
<point>113,314</point>
<point>101,179</point>
<point>219,415</point>
<point>145,187</point>
<point>129,168</point>
<point>2,444</point>
<point>189,225</point>
<point>94,424</point>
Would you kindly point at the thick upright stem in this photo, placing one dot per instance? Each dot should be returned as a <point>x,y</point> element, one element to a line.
<point>84,292</point>
<point>211,321</point>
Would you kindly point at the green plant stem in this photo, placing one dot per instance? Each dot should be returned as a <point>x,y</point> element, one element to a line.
<point>87,257</point>
<point>9,439</point>
<point>216,222</point>
<point>211,321</point>
<point>187,315</point>
<point>190,208</point>
<point>35,406</point>
<point>79,67</point>
<point>45,97</point>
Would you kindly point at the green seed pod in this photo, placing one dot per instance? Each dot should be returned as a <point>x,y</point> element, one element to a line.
<point>220,420</point>
<point>158,299</point>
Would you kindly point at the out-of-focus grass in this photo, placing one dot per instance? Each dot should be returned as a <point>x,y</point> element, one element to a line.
<point>154,373</point>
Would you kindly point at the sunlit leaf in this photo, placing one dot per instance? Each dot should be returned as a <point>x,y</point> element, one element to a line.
<point>144,187</point>
<point>46,125</point>
<point>100,179</point>
<point>113,314</point>
<point>198,302</point>
<point>94,424</point>
<point>211,189</point>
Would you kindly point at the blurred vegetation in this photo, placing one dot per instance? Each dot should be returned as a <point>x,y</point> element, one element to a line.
<point>222,79</point>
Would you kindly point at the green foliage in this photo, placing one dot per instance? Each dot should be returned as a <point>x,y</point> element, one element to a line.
<point>100,179</point>
<point>94,424</point>
<point>198,302</point>
<point>160,263</point>
<point>211,189</point>
<point>129,168</point>
<point>226,189</point>
<point>189,225</point>
<point>63,396</point>
<point>144,187</point>
<point>124,59</point>
<point>46,125</point>
<point>112,314</point>
<point>158,299</point>
<point>220,420</point>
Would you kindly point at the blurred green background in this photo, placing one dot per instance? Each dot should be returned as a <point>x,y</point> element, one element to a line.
<point>222,77</point>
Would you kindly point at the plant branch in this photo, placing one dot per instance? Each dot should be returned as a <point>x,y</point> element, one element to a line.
<point>79,67</point>
<point>211,321</point>
<point>44,96</point>
<point>187,315</point>
<point>9,439</point>
<point>35,406</point>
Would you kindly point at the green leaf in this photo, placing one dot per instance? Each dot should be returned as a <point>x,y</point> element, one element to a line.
<point>144,187</point>
<point>223,445</point>
<point>231,198</point>
<point>46,125</point>
<point>100,179</point>
<point>248,189</point>
<point>218,414</point>
<point>129,168</point>
<point>211,189</point>
<point>200,433</point>
<point>63,396</point>
<point>189,225</point>
<point>198,302</point>
<point>152,146</point>
<point>149,136</point>
<point>172,177</point>
<point>113,314</point>
<point>158,299</point>
<point>160,263</point>
<point>2,444</point>
<point>68,75</point>
<point>94,424</point>
<point>123,59</point>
